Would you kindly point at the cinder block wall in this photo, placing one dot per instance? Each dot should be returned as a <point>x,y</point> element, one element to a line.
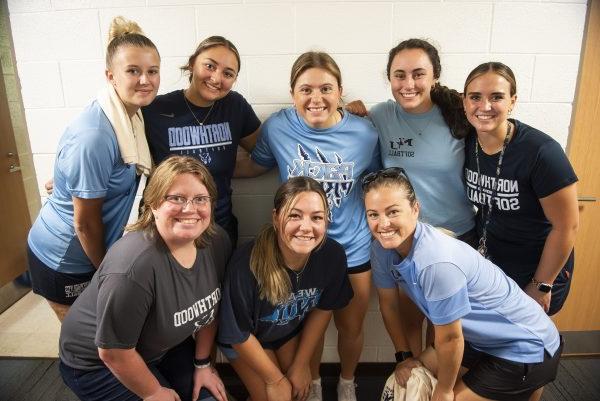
<point>59,47</point>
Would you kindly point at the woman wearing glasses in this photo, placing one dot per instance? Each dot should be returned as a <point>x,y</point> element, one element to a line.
<point>279,295</point>
<point>524,187</point>
<point>315,138</point>
<point>483,321</point>
<point>129,335</point>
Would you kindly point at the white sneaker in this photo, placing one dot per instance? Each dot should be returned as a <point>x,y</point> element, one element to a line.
<point>346,391</point>
<point>316,392</point>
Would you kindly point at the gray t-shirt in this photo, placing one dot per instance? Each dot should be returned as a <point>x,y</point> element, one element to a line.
<point>142,298</point>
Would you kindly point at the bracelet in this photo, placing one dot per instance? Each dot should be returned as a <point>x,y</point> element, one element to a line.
<point>403,355</point>
<point>276,381</point>
<point>202,363</point>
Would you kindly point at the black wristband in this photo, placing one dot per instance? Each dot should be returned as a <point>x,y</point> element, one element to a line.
<point>403,355</point>
<point>201,362</point>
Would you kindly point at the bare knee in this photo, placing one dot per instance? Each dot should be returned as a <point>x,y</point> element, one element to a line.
<point>59,309</point>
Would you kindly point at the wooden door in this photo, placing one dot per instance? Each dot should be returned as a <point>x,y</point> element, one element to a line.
<point>582,309</point>
<point>14,215</point>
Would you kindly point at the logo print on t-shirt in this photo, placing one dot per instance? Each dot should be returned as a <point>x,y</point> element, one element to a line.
<point>336,177</point>
<point>481,187</point>
<point>299,303</point>
<point>199,140</point>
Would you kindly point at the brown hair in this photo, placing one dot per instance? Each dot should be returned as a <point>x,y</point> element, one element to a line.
<point>448,100</point>
<point>266,259</point>
<point>391,176</point>
<point>314,59</point>
<point>124,32</point>
<point>160,182</point>
<point>211,41</point>
<point>497,68</point>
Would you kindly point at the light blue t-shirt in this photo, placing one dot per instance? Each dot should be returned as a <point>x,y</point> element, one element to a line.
<point>337,157</point>
<point>448,280</point>
<point>432,158</point>
<point>88,165</point>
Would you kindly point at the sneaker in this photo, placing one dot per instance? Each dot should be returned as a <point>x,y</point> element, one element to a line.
<point>346,391</point>
<point>316,392</point>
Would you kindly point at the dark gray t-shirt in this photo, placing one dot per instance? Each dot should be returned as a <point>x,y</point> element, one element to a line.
<point>142,298</point>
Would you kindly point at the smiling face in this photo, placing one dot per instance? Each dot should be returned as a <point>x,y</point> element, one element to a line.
<point>214,72</point>
<point>135,74</point>
<point>301,228</point>
<point>180,225</point>
<point>316,94</point>
<point>487,102</point>
<point>392,219</point>
<point>411,78</point>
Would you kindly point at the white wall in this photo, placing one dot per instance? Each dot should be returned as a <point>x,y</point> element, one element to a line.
<point>59,47</point>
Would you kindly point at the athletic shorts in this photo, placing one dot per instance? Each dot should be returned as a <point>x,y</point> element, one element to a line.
<point>500,379</point>
<point>62,288</point>
<point>360,268</point>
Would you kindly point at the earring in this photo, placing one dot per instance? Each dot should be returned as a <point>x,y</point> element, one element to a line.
<point>509,111</point>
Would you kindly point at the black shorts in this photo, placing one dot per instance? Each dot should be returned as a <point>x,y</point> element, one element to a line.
<point>360,268</point>
<point>501,379</point>
<point>62,288</point>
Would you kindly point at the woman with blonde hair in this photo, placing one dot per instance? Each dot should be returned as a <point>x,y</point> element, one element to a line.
<point>99,161</point>
<point>145,326</point>
<point>317,139</point>
<point>207,120</point>
<point>279,294</point>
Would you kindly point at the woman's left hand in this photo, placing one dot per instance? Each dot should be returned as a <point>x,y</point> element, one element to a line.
<point>300,378</point>
<point>542,298</point>
<point>209,379</point>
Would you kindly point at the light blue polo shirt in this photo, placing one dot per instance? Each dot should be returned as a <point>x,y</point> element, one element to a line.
<point>448,280</point>
<point>88,165</point>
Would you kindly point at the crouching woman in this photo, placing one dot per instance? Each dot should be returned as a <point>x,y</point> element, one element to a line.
<point>129,335</point>
<point>279,295</point>
<point>507,346</point>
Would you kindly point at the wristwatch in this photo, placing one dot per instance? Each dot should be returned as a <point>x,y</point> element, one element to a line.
<point>541,286</point>
<point>403,355</point>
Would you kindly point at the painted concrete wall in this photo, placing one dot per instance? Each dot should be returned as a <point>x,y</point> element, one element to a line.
<point>59,47</point>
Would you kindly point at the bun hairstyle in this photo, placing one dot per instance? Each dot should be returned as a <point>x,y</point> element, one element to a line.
<point>124,32</point>
<point>448,100</point>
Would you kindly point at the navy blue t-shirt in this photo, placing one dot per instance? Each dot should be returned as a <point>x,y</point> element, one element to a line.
<point>322,284</point>
<point>534,166</point>
<point>172,129</point>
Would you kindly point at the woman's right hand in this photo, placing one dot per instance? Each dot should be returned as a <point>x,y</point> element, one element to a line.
<point>280,390</point>
<point>49,186</point>
<point>358,108</point>
<point>163,394</point>
<point>403,369</point>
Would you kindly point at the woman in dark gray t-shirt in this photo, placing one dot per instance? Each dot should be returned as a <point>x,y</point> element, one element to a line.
<point>131,333</point>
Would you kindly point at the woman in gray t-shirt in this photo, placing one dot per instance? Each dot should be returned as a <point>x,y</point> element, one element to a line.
<point>131,333</point>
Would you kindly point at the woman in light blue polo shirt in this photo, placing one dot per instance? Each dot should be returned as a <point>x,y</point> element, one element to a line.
<point>483,320</point>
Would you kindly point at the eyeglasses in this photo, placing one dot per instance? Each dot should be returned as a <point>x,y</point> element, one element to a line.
<point>390,172</point>
<point>182,201</point>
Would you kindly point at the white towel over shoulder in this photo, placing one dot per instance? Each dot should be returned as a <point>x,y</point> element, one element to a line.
<point>130,133</point>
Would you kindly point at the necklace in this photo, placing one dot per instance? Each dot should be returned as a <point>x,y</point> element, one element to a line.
<point>200,123</point>
<point>485,217</point>
<point>299,272</point>
<point>418,131</point>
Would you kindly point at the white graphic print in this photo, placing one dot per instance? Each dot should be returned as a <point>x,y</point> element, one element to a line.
<point>336,177</point>
<point>199,140</point>
<point>480,189</point>
<point>202,312</point>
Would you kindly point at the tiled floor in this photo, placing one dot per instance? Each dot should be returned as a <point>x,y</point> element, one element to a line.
<point>29,328</point>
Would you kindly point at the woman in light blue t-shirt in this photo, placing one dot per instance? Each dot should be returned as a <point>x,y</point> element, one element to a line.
<point>316,138</point>
<point>422,131</point>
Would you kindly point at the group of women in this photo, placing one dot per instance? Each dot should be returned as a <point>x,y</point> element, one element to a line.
<point>145,326</point>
